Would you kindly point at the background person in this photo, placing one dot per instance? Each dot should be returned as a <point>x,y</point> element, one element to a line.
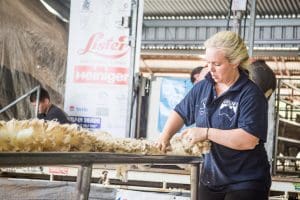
<point>198,74</point>
<point>231,111</point>
<point>263,76</point>
<point>47,110</point>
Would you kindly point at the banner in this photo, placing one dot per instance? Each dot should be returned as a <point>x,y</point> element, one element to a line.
<point>96,95</point>
<point>172,91</point>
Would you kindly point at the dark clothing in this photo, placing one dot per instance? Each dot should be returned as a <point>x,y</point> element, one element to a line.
<point>243,106</point>
<point>56,114</point>
<point>207,194</point>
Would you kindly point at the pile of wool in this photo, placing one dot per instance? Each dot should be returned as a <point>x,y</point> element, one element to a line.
<point>49,136</point>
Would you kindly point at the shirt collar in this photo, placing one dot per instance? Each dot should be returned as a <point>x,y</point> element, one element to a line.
<point>244,77</point>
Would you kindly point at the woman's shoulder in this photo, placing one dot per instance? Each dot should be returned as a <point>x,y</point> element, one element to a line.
<point>252,90</point>
<point>202,85</point>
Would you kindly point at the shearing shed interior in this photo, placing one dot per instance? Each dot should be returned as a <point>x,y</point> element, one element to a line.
<point>118,70</point>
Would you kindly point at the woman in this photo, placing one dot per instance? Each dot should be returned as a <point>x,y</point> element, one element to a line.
<point>231,112</point>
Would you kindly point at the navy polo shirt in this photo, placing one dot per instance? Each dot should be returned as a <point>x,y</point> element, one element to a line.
<point>55,113</point>
<point>243,106</point>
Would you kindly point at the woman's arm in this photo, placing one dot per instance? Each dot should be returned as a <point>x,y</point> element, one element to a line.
<point>237,139</point>
<point>173,124</point>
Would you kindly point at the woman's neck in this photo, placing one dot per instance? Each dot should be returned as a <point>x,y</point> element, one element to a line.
<point>223,87</point>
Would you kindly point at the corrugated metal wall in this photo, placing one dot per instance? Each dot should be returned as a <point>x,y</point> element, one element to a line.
<point>190,34</point>
<point>217,7</point>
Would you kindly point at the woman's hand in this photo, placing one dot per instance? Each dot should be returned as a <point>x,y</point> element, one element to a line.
<point>163,143</point>
<point>173,124</point>
<point>195,134</point>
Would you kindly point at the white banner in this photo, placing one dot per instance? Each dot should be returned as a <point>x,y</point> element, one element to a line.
<point>96,94</point>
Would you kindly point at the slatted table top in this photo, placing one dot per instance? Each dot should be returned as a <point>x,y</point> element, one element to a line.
<point>86,158</point>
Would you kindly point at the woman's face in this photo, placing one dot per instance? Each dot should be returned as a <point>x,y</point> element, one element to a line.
<point>220,69</point>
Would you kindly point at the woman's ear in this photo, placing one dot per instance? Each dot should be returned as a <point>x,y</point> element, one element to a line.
<point>235,65</point>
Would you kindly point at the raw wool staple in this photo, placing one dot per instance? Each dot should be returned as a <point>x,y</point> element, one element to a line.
<point>41,136</point>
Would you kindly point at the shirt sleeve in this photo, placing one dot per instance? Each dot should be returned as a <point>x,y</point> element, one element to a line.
<point>254,116</point>
<point>57,114</point>
<point>186,108</point>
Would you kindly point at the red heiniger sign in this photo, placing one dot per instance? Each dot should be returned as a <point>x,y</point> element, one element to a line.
<point>101,75</point>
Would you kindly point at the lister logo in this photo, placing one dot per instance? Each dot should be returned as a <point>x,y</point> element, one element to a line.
<point>101,75</point>
<point>107,47</point>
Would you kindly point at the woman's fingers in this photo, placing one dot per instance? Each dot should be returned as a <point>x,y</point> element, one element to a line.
<point>184,134</point>
<point>163,146</point>
<point>158,145</point>
<point>187,134</point>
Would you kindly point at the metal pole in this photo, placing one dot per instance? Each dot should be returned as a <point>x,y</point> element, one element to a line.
<point>83,181</point>
<point>237,22</point>
<point>139,25</point>
<point>269,145</point>
<point>251,32</point>
<point>19,99</point>
<point>292,107</point>
<point>37,102</point>
<point>276,129</point>
<point>195,174</point>
<point>135,43</point>
<point>228,15</point>
<point>131,85</point>
<point>79,180</point>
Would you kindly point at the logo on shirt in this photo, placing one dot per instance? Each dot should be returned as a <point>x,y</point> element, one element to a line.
<point>228,108</point>
<point>202,106</point>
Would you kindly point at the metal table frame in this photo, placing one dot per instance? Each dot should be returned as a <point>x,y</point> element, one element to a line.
<point>86,161</point>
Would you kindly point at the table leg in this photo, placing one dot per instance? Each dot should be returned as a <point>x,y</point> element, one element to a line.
<point>83,181</point>
<point>195,173</point>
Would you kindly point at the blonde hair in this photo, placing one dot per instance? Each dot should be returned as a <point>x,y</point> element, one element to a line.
<point>232,45</point>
